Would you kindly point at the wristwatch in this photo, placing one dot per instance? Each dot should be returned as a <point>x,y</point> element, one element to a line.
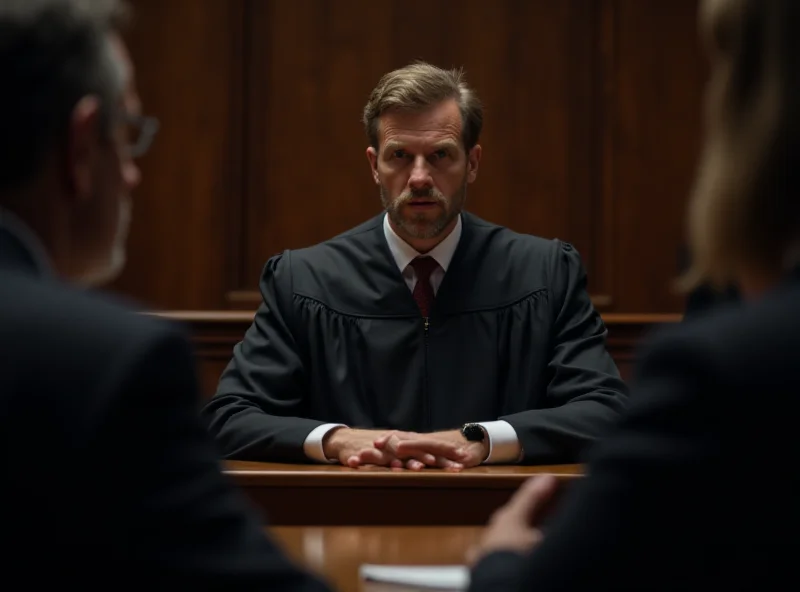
<point>473,432</point>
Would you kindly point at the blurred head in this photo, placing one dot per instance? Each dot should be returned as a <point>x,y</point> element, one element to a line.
<point>70,127</point>
<point>423,125</point>
<point>744,219</point>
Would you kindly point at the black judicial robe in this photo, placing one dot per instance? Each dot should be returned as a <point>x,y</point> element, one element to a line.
<point>512,335</point>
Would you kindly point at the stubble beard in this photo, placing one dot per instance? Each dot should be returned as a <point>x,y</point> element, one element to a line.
<point>419,225</point>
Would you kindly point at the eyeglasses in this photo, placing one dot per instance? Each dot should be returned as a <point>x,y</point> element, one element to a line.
<point>139,133</point>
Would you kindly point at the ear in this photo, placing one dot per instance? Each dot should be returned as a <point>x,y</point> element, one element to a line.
<point>473,159</point>
<point>372,157</point>
<point>83,145</point>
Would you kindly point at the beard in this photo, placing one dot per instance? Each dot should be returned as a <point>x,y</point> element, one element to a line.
<point>110,266</point>
<point>420,225</point>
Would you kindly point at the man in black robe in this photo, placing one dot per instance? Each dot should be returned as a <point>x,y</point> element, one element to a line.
<point>425,336</point>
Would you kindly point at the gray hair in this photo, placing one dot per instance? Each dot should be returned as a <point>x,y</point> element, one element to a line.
<point>52,54</point>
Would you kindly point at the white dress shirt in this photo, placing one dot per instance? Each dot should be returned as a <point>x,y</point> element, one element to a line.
<point>504,445</point>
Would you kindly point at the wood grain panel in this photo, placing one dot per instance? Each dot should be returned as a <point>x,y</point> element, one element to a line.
<point>592,130</point>
<point>188,56</point>
<point>652,141</point>
<point>530,62</point>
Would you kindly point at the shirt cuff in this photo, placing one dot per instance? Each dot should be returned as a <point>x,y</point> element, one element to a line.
<point>504,445</point>
<point>312,445</point>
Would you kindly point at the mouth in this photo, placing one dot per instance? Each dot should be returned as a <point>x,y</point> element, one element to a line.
<point>422,203</point>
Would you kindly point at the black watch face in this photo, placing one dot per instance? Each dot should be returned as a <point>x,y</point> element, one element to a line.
<point>473,433</point>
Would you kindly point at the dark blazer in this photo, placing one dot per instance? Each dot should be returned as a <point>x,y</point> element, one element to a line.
<point>696,489</point>
<point>107,476</point>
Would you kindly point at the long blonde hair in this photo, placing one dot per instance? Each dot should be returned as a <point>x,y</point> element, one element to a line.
<point>744,213</point>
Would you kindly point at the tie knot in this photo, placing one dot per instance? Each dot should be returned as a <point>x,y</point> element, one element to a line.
<point>424,267</point>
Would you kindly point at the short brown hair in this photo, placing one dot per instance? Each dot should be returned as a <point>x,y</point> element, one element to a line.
<point>745,209</point>
<point>421,85</point>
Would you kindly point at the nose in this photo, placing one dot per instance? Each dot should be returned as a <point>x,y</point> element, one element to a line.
<point>420,174</point>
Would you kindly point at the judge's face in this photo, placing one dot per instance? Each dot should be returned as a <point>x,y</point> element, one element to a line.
<point>423,171</point>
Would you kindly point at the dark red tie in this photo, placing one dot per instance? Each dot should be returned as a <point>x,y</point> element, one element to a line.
<point>423,291</point>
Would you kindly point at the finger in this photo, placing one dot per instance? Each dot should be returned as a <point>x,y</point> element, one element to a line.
<point>427,459</point>
<point>423,457</point>
<point>381,442</point>
<point>437,447</point>
<point>372,456</point>
<point>470,455</point>
<point>528,501</point>
<point>472,555</point>
<point>396,463</point>
<point>388,443</point>
<point>415,465</point>
<point>446,463</point>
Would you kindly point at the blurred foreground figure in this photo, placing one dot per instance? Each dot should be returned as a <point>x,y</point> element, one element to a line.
<point>107,474</point>
<point>695,489</point>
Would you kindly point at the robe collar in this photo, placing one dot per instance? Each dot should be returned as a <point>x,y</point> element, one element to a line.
<point>403,253</point>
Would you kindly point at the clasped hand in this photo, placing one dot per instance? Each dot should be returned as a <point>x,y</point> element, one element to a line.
<point>409,450</point>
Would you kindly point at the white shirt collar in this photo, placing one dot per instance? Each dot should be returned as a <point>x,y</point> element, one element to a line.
<point>22,232</point>
<point>404,253</point>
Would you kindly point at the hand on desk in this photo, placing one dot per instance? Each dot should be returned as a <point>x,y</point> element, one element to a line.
<point>403,449</point>
<point>447,450</point>
<point>515,526</point>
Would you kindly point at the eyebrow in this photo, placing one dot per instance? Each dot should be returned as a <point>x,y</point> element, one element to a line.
<point>446,144</point>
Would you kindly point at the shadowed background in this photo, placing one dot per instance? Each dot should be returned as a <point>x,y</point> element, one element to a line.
<point>592,128</point>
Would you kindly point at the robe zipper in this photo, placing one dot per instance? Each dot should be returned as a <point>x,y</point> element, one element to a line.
<point>425,402</point>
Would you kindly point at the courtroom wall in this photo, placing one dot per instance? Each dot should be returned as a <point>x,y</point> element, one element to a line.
<point>592,124</point>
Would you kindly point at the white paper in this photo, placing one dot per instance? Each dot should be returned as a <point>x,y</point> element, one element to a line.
<point>436,577</point>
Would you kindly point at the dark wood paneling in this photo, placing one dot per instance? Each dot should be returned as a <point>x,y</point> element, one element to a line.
<point>653,123</point>
<point>188,56</point>
<point>215,333</point>
<point>591,134</point>
<point>530,62</point>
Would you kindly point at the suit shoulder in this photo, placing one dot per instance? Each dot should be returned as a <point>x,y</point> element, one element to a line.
<point>65,316</point>
<point>76,352</point>
<point>519,242</point>
<point>345,240</point>
<point>339,254</point>
<point>741,343</point>
<point>533,259</point>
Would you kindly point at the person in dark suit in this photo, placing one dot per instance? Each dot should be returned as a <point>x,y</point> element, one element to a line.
<point>695,488</point>
<point>108,474</point>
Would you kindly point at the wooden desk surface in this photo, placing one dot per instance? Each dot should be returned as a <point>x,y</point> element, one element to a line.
<point>332,495</point>
<point>336,552</point>
<point>284,475</point>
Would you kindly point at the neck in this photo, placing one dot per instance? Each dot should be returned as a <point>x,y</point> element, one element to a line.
<point>424,245</point>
